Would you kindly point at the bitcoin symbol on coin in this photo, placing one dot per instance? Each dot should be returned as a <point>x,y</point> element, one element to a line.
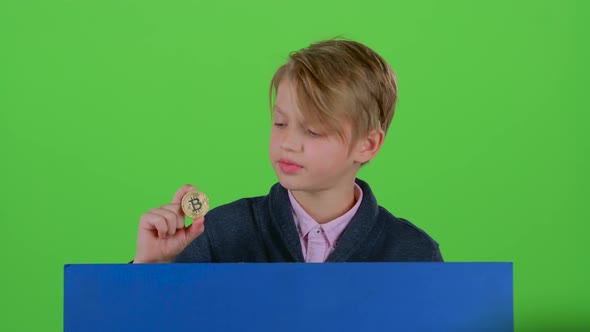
<point>195,204</point>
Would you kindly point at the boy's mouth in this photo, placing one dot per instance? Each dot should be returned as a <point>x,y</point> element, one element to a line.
<point>289,166</point>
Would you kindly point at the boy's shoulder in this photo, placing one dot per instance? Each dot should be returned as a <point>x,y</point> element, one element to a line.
<point>387,237</point>
<point>237,219</point>
<point>403,232</point>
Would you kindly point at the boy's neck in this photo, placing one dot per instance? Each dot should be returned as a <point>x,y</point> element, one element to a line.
<point>326,205</point>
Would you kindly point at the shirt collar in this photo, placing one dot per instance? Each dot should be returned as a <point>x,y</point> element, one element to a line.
<point>332,229</point>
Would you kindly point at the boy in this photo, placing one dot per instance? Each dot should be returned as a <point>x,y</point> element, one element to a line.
<point>334,103</point>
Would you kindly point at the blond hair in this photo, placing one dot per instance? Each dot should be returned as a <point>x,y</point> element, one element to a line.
<point>340,80</point>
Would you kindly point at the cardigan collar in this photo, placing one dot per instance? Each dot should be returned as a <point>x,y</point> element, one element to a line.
<point>352,238</point>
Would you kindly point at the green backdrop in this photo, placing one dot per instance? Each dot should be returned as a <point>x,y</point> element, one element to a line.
<point>107,107</point>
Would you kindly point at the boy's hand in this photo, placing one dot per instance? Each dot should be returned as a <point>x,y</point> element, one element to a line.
<point>162,234</point>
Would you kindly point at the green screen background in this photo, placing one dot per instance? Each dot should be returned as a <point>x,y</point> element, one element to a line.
<point>107,107</point>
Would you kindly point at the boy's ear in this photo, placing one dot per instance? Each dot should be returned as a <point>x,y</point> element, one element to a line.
<point>369,145</point>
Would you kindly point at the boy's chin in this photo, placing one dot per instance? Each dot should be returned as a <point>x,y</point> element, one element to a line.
<point>295,185</point>
<point>291,184</point>
<point>287,184</point>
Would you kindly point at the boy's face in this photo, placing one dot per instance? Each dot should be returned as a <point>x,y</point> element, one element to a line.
<point>303,156</point>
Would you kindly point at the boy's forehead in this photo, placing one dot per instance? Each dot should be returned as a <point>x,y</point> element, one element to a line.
<point>285,92</point>
<point>278,109</point>
<point>286,102</point>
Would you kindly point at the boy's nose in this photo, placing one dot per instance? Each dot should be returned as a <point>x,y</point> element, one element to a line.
<point>291,141</point>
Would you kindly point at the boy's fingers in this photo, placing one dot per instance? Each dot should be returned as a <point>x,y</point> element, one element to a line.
<point>169,217</point>
<point>179,214</point>
<point>181,191</point>
<point>151,221</point>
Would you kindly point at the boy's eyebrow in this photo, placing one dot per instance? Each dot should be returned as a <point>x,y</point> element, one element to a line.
<point>278,110</point>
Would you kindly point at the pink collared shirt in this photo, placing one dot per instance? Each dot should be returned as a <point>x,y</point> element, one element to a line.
<point>318,241</point>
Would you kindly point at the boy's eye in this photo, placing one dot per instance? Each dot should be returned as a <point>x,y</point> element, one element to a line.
<point>279,124</point>
<point>312,133</point>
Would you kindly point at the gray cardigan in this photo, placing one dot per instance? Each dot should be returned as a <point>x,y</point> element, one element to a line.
<point>261,229</point>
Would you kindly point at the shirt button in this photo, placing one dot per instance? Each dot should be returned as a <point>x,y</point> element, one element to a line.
<point>318,231</point>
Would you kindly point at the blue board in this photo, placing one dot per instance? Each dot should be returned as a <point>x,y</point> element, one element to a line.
<point>289,297</point>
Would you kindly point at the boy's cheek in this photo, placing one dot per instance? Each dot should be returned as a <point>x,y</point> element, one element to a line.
<point>275,138</point>
<point>273,147</point>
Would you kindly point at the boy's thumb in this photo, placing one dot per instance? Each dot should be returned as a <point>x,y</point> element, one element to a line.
<point>195,229</point>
